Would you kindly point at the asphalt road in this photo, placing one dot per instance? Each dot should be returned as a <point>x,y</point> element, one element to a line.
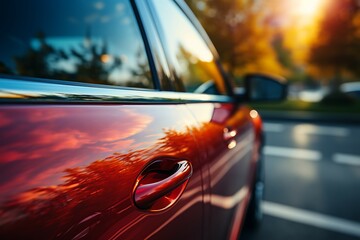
<point>312,182</point>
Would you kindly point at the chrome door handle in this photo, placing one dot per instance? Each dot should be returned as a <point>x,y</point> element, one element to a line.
<point>158,181</point>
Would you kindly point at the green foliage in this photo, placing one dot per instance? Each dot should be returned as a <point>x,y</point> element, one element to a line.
<point>337,98</point>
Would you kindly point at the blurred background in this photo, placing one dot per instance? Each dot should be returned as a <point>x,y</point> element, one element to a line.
<point>315,44</point>
<point>312,156</point>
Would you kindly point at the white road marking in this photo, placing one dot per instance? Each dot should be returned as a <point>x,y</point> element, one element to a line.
<point>346,159</point>
<point>293,153</point>
<point>273,127</point>
<point>320,130</point>
<point>311,218</point>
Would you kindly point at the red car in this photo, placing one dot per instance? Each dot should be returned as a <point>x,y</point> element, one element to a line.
<point>117,121</point>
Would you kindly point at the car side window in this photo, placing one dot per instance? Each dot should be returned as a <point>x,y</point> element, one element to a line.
<point>84,41</point>
<point>194,63</point>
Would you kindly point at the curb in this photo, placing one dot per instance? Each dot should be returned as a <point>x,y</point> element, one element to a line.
<point>301,116</point>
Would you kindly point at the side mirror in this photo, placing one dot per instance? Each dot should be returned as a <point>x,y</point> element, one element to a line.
<point>261,87</point>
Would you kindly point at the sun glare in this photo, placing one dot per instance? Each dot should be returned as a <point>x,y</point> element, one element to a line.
<point>306,8</point>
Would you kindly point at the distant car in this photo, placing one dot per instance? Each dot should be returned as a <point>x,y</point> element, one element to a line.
<point>351,89</point>
<point>117,121</point>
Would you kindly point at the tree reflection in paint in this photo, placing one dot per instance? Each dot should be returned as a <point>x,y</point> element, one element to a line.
<point>101,188</point>
<point>90,199</point>
<point>92,189</point>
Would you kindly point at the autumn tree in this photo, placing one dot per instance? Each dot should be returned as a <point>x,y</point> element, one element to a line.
<point>336,50</point>
<point>238,32</point>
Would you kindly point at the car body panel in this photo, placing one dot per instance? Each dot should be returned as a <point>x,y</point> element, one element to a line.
<point>68,171</point>
<point>229,134</point>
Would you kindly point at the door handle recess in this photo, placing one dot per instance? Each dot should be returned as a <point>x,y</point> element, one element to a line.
<point>160,184</point>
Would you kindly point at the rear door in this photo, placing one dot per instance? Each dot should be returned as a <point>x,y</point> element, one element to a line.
<point>225,128</point>
<point>80,157</point>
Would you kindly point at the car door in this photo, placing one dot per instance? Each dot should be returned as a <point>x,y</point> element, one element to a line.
<point>225,127</point>
<point>80,157</point>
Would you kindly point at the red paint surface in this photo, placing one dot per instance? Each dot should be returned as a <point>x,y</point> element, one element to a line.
<point>230,164</point>
<point>69,171</point>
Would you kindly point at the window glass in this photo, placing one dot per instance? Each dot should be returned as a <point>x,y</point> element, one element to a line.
<point>188,52</point>
<point>76,40</point>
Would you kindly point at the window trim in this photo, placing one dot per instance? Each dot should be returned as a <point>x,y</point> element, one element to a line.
<point>35,90</point>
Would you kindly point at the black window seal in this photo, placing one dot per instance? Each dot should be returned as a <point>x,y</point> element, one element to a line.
<point>149,54</point>
<point>164,73</point>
